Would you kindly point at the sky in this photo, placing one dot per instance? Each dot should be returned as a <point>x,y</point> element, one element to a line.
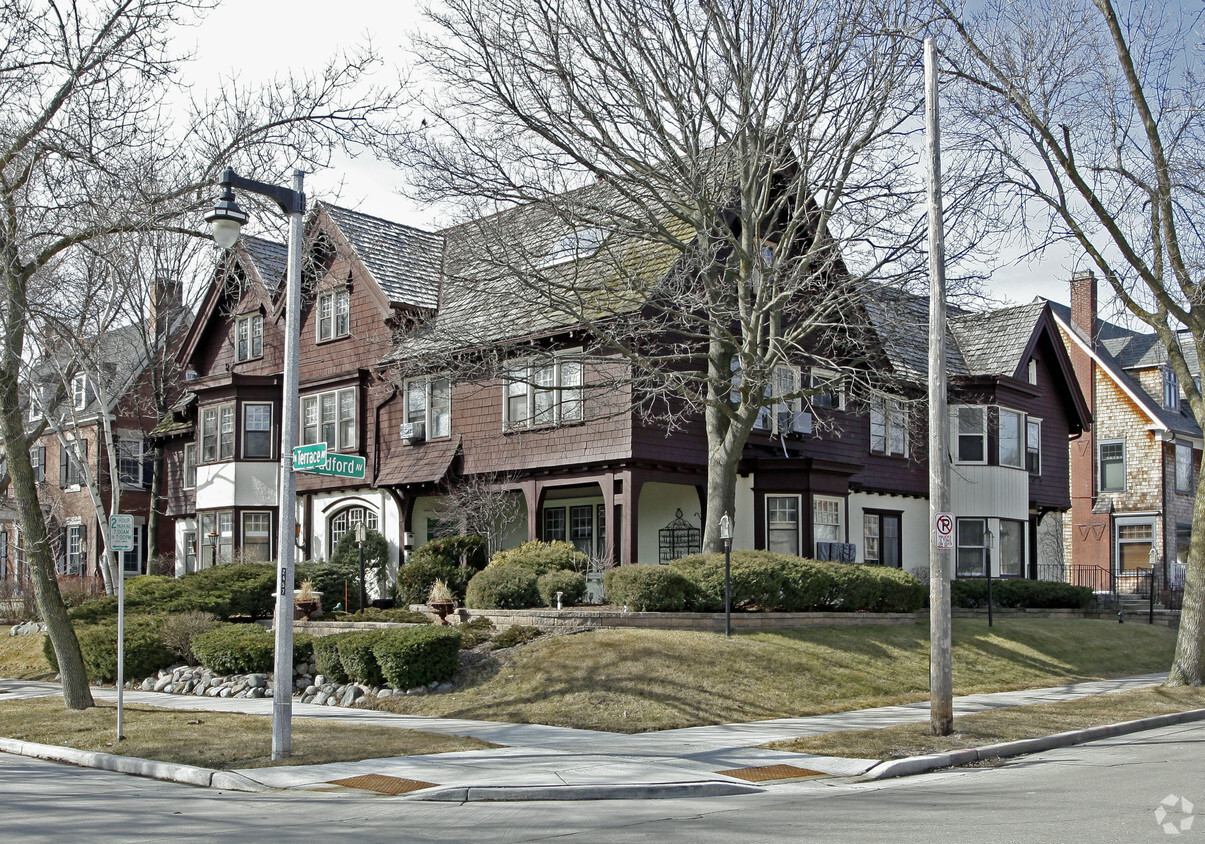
<point>258,39</point>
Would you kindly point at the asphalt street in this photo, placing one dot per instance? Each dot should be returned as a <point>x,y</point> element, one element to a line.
<point>1104,791</point>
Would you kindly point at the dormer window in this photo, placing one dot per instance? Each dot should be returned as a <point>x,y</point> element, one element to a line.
<point>248,337</point>
<point>1171,389</point>
<point>334,314</point>
<point>79,391</point>
<point>578,244</point>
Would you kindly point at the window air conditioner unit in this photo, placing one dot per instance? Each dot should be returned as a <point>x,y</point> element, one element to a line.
<point>412,432</point>
<point>190,375</point>
<point>795,422</point>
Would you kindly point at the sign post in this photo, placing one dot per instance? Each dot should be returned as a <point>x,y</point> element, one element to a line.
<point>121,538</point>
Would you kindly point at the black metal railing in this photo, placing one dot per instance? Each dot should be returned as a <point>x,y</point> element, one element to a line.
<point>1159,586</point>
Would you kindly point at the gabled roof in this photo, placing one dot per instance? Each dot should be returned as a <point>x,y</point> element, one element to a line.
<point>404,261</point>
<point>269,259</point>
<point>995,342</point>
<point>1136,347</point>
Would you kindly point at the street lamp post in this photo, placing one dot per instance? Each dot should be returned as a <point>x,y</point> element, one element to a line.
<point>213,546</point>
<point>988,536</point>
<point>726,535</point>
<point>225,221</point>
<point>361,535</point>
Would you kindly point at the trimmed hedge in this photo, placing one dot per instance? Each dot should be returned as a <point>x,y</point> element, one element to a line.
<point>326,659</point>
<point>507,587</point>
<point>245,649</point>
<point>145,652</point>
<point>416,657</point>
<point>540,557</point>
<point>571,584</point>
<point>415,578</point>
<point>758,579</point>
<point>645,588</point>
<point>355,654</point>
<point>1021,594</point>
<point>225,591</point>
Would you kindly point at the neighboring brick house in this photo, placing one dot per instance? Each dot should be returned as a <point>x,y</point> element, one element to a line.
<point>540,429</point>
<point>115,381</point>
<point>1133,475</point>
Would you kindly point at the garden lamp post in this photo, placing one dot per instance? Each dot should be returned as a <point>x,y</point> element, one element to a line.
<point>225,220</point>
<point>988,536</point>
<point>213,546</point>
<point>726,535</point>
<point>361,536</point>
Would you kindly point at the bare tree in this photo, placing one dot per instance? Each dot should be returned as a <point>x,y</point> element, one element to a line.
<point>1094,122</point>
<point>483,505</point>
<point>739,175</point>
<point>88,151</point>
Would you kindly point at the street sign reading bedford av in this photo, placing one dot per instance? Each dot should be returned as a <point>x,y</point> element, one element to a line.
<point>308,458</point>
<point>121,532</point>
<point>341,466</point>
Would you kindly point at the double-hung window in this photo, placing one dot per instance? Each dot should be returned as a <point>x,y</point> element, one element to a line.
<point>971,433</point>
<point>37,458</point>
<point>429,401</point>
<point>257,430</point>
<point>544,392</point>
<point>1012,548</point>
<point>249,337</point>
<point>827,391</point>
<point>881,538</point>
<point>1171,389</point>
<point>1184,473</point>
<point>190,465</point>
<point>782,524</point>
<point>1011,442</point>
<point>79,391</point>
<point>972,547</point>
<point>131,461</point>
<point>778,417</point>
<point>217,433</point>
<point>1111,466</point>
<point>1033,445</point>
<point>334,314</point>
<point>330,418</point>
<point>72,457</point>
<point>257,536</point>
<point>75,553</point>
<point>888,421</point>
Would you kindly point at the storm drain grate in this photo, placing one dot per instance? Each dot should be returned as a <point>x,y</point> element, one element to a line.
<point>772,772</point>
<point>383,784</point>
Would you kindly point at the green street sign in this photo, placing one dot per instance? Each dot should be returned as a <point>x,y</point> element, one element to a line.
<point>121,532</point>
<point>341,466</point>
<point>309,458</point>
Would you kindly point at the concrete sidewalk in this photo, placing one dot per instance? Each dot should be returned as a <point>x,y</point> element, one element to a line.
<point>542,762</point>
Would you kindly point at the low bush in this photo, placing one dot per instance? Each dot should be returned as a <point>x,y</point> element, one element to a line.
<point>95,610</point>
<point>415,578</point>
<point>859,588</point>
<point>453,551</point>
<point>507,587</point>
<point>1021,594</point>
<point>758,579</point>
<point>570,584</point>
<point>333,581</point>
<point>248,589</point>
<point>473,633</point>
<point>326,659</point>
<point>808,586</point>
<point>516,634</point>
<point>177,632</point>
<point>645,588</point>
<point>418,656</point>
<point>145,652</point>
<point>355,654</point>
<point>236,649</point>
<point>540,557</point>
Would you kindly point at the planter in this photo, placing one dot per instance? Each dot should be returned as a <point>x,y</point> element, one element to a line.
<point>303,610</point>
<point>443,609</point>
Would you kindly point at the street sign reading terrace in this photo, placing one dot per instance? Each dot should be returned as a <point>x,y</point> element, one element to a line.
<point>307,458</point>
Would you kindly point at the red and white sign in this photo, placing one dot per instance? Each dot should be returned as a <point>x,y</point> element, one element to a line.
<point>943,530</point>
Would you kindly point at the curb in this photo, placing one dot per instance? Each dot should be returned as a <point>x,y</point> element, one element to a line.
<point>170,771</point>
<point>602,791</point>
<point>955,758</point>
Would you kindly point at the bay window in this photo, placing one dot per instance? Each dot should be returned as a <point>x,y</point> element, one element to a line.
<point>330,418</point>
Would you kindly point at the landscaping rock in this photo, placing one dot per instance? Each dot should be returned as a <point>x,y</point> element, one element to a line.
<point>257,681</point>
<point>350,695</point>
<point>320,680</point>
<point>256,692</point>
<point>417,690</point>
<point>384,693</point>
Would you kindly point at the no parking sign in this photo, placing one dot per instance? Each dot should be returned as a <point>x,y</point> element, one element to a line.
<point>943,530</point>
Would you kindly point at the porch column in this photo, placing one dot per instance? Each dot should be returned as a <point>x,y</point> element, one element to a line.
<point>608,493</point>
<point>531,495</point>
<point>629,544</point>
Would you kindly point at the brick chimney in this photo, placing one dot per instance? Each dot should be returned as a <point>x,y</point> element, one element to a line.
<point>166,302</point>
<point>1083,303</point>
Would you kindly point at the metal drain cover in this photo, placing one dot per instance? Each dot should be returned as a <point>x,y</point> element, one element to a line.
<point>383,784</point>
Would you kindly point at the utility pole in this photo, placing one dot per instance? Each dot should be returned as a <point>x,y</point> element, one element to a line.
<point>941,661</point>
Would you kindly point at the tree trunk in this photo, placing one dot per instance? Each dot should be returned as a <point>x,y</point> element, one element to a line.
<point>76,693</point>
<point>1186,667</point>
<point>152,515</point>
<point>724,448</point>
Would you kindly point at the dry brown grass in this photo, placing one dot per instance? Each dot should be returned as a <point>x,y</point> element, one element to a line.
<point>21,657</point>
<point>213,739</point>
<point>636,680</point>
<point>1001,725</point>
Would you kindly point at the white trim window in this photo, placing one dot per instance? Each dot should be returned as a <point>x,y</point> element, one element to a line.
<point>347,519</point>
<point>774,418</point>
<point>1111,466</point>
<point>330,418</point>
<point>782,524</point>
<point>190,465</point>
<point>1184,473</point>
<point>1011,562</point>
<point>970,432</point>
<point>334,314</point>
<point>257,430</point>
<point>257,536</point>
<point>972,547</point>
<point>131,561</point>
<point>544,392</point>
<point>217,432</point>
<point>429,401</point>
<point>1033,445</point>
<point>888,426</point>
<point>828,519</point>
<point>131,460</point>
<point>828,390</point>
<point>1135,539</point>
<point>75,550</point>
<point>79,391</point>
<point>249,337</point>
<point>1171,389</point>
<point>1011,442</point>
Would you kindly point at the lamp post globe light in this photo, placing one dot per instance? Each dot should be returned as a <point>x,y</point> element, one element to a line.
<point>226,220</point>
